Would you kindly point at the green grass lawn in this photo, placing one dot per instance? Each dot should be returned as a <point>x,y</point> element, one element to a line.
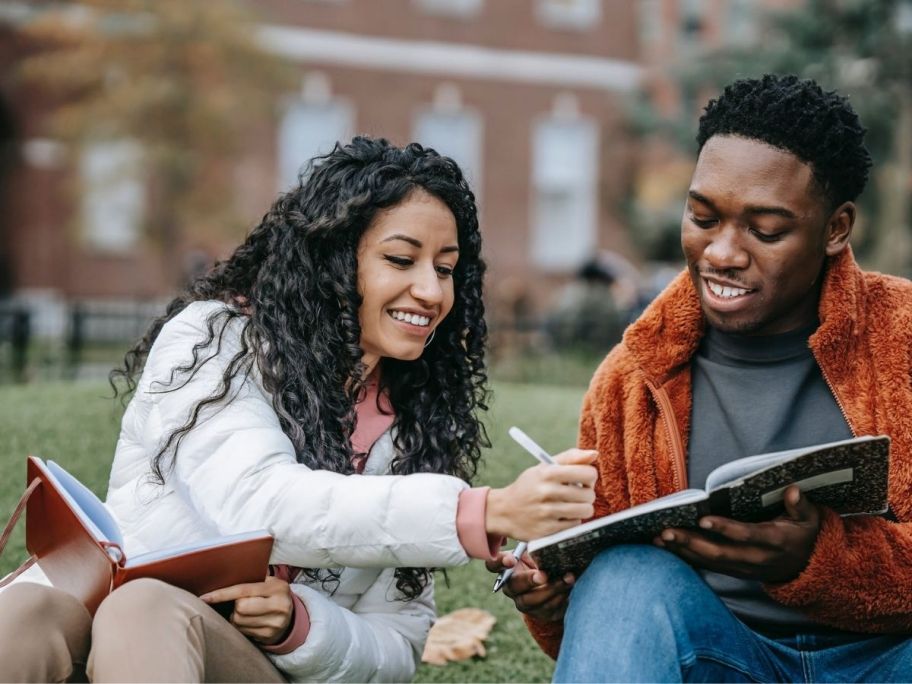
<point>75,425</point>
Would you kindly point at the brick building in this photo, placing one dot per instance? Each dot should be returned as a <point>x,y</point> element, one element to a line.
<point>528,95</point>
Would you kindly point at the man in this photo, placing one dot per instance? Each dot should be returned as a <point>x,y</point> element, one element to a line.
<point>772,339</point>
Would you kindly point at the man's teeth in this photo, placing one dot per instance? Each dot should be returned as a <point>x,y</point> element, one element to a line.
<point>414,319</point>
<point>725,291</point>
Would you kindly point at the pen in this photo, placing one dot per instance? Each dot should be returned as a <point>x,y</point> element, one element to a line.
<point>529,445</point>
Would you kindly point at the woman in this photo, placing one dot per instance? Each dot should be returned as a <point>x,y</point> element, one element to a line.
<point>345,337</point>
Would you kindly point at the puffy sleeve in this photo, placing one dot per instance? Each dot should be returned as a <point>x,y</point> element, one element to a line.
<point>237,469</point>
<point>376,640</point>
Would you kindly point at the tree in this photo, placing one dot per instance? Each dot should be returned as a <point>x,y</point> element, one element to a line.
<point>182,80</point>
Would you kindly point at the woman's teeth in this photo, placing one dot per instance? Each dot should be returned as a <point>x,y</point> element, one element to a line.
<point>414,319</point>
<point>725,291</point>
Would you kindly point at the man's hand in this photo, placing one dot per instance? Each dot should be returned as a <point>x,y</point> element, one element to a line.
<point>530,589</point>
<point>262,610</point>
<point>774,551</point>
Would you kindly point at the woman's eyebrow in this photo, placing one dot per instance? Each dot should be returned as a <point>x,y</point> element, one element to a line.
<point>417,243</point>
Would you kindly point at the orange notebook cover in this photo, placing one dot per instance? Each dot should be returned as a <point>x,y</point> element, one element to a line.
<point>79,547</point>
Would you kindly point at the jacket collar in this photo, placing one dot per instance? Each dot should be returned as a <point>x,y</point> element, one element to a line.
<point>667,334</point>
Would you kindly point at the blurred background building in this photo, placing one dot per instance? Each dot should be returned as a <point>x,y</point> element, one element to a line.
<point>140,140</point>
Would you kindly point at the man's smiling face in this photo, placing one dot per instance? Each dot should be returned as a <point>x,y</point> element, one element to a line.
<point>755,233</point>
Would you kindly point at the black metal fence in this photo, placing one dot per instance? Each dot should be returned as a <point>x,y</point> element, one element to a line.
<point>15,333</point>
<point>95,336</point>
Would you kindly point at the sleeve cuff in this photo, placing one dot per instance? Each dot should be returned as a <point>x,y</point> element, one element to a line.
<point>470,524</point>
<point>297,635</point>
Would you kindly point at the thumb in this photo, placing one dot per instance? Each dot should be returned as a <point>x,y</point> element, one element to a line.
<point>797,506</point>
<point>577,457</point>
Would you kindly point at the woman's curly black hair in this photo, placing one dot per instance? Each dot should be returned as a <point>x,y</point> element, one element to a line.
<point>798,116</point>
<point>295,277</point>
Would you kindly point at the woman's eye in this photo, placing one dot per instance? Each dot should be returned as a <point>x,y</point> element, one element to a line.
<point>398,260</point>
<point>445,271</point>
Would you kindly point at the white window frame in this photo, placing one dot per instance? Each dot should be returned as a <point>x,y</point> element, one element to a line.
<point>114,195</point>
<point>579,15</point>
<point>292,133</point>
<point>458,9</point>
<point>470,157</point>
<point>562,244</point>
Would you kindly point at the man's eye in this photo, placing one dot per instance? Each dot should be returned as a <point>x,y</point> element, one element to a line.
<point>703,222</point>
<point>766,237</point>
<point>398,260</point>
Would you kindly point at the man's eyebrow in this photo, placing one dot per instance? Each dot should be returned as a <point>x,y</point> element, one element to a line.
<point>417,243</point>
<point>753,210</point>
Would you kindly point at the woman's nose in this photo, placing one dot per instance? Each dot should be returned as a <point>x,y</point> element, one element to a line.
<point>426,286</point>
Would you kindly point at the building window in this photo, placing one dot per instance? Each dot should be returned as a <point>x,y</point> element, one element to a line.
<point>455,131</point>
<point>564,180</point>
<point>451,8</point>
<point>692,17</point>
<point>114,195</point>
<point>570,14</point>
<point>741,22</point>
<point>651,24</point>
<point>311,125</point>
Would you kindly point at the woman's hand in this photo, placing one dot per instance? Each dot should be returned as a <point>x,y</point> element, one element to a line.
<point>262,610</point>
<point>545,498</point>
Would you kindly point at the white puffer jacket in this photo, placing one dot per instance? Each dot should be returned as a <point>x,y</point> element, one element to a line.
<point>236,472</point>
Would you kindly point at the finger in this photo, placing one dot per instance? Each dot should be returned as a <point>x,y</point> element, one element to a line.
<point>268,620</point>
<point>260,634</point>
<point>524,580</point>
<point>253,606</point>
<point>798,507</point>
<point>234,592</point>
<point>528,561</point>
<point>572,512</point>
<point>576,456</point>
<point>503,560</point>
<point>714,553</point>
<point>584,475</point>
<point>537,599</point>
<point>730,529</point>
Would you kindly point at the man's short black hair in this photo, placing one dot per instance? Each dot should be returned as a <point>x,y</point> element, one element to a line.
<point>820,128</point>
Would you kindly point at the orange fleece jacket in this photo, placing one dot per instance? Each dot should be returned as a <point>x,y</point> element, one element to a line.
<point>637,415</point>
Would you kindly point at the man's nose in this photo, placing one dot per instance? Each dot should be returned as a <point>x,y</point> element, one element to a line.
<point>725,249</point>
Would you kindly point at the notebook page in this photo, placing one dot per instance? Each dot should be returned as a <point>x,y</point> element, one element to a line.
<point>88,506</point>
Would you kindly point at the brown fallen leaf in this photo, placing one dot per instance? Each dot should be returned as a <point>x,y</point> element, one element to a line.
<point>459,635</point>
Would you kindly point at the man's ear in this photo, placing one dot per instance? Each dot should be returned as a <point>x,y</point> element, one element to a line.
<point>839,228</point>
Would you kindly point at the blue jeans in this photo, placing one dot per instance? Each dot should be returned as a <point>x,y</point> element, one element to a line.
<point>641,614</point>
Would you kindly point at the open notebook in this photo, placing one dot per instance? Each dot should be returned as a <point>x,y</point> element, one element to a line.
<point>849,476</point>
<point>79,546</point>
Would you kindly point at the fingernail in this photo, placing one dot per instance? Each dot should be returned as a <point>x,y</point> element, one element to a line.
<point>568,579</point>
<point>205,597</point>
<point>668,536</point>
<point>706,524</point>
<point>658,542</point>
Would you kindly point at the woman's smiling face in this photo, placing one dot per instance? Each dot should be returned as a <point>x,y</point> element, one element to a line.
<point>406,259</point>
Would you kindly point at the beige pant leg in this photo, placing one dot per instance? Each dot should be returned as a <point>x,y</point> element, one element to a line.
<point>44,635</point>
<point>149,631</point>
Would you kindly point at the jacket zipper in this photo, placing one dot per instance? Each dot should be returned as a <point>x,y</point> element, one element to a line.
<point>679,466</point>
<point>826,379</point>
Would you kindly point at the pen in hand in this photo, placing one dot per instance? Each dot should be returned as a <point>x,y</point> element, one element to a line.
<point>529,445</point>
